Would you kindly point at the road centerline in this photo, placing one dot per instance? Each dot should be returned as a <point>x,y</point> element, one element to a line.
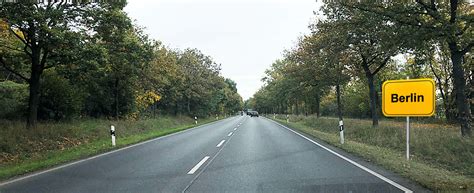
<point>220,144</point>
<point>208,163</point>
<point>230,134</point>
<point>198,165</point>
<point>66,165</point>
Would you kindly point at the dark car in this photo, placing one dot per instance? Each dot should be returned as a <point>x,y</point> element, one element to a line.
<point>253,113</point>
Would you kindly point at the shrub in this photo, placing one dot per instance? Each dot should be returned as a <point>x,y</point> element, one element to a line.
<point>13,99</point>
<point>59,99</point>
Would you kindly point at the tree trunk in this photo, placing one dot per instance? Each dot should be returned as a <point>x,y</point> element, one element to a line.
<point>33,101</point>
<point>439,83</point>
<point>116,98</point>
<point>176,108</point>
<point>34,87</point>
<point>297,109</point>
<point>373,98</point>
<point>339,105</point>
<point>462,103</point>
<point>188,107</point>
<point>471,86</point>
<point>318,104</point>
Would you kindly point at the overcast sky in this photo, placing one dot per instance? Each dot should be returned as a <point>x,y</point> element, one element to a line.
<point>245,36</point>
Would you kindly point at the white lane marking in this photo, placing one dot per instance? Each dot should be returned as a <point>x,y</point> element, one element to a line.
<point>220,144</point>
<point>197,166</point>
<point>349,160</point>
<point>106,153</point>
<point>235,128</point>
<point>205,166</point>
<point>230,134</point>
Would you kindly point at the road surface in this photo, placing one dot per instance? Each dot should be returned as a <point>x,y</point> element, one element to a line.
<point>238,154</point>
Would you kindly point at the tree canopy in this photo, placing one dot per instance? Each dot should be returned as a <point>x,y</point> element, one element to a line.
<point>356,46</point>
<point>90,59</point>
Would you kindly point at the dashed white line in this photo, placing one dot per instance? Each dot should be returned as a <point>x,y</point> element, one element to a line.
<point>230,134</point>
<point>195,168</point>
<point>220,144</point>
<point>103,154</point>
<point>235,128</point>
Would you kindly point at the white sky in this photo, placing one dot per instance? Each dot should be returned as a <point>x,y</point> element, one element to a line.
<point>245,36</point>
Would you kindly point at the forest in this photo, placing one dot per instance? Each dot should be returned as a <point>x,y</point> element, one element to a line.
<point>338,69</point>
<point>62,60</point>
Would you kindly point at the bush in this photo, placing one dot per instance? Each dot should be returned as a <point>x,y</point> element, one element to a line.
<point>355,101</point>
<point>13,99</point>
<point>59,99</point>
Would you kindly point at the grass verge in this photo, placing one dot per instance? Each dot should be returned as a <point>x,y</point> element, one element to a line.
<point>51,144</point>
<point>441,159</point>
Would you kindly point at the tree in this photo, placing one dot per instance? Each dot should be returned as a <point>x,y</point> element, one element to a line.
<point>325,53</point>
<point>49,31</point>
<point>369,40</point>
<point>128,56</point>
<point>449,22</point>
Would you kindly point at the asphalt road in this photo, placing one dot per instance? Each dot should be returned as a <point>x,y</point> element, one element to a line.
<point>238,154</point>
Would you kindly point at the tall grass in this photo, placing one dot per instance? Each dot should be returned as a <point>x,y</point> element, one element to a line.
<point>23,150</point>
<point>441,159</point>
<point>439,144</point>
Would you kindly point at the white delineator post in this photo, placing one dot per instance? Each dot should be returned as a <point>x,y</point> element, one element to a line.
<point>287,118</point>
<point>341,131</point>
<point>195,120</point>
<point>112,134</point>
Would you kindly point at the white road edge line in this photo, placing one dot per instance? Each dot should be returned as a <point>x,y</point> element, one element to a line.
<point>349,160</point>
<point>197,166</point>
<point>220,144</point>
<point>100,155</point>
<point>230,134</point>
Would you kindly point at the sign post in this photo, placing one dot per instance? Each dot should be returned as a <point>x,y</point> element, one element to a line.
<point>408,134</point>
<point>405,98</point>
<point>408,137</point>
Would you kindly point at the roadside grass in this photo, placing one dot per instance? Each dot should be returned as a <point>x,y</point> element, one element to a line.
<point>51,144</point>
<point>440,160</point>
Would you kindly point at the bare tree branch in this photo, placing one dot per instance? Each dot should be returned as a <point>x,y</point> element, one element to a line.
<point>381,65</point>
<point>18,36</point>
<point>4,65</point>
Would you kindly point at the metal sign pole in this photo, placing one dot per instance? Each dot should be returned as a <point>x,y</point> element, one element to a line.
<point>408,134</point>
<point>408,138</point>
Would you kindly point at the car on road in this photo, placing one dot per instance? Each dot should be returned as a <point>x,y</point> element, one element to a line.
<point>253,113</point>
